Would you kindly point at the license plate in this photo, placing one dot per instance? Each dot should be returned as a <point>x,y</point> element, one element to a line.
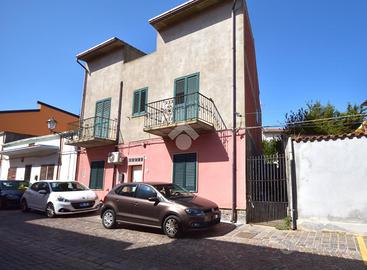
<point>85,204</point>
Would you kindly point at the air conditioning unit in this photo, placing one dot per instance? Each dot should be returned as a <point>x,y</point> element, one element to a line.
<point>115,157</point>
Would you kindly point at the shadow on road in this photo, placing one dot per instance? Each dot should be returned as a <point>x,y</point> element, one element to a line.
<point>51,248</point>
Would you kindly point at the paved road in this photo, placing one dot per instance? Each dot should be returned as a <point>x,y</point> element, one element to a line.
<point>31,241</point>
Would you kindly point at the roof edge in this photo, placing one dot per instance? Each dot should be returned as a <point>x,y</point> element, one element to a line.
<point>56,108</point>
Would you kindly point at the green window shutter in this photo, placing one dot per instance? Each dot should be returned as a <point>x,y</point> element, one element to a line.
<point>143,100</point>
<point>136,102</point>
<point>140,98</point>
<point>96,175</point>
<point>184,171</point>
<point>191,172</point>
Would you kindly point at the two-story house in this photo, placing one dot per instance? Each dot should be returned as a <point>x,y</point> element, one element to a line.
<point>169,114</point>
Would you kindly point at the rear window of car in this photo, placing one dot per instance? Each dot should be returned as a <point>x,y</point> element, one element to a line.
<point>14,185</point>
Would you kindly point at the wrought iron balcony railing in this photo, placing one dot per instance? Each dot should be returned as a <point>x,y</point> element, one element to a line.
<point>92,131</point>
<point>182,109</point>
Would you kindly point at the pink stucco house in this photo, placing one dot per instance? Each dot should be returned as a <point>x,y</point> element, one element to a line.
<point>169,115</point>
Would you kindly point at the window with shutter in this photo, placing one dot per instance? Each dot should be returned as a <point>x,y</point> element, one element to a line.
<point>186,97</point>
<point>96,175</point>
<point>47,172</point>
<point>102,118</point>
<point>140,98</point>
<point>184,171</point>
<point>12,173</point>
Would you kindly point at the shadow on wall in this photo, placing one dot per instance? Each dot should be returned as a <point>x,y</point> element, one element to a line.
<point>211,147</point>
<point>105,60</point>
<point>74,250</point>
<point>196,23</point>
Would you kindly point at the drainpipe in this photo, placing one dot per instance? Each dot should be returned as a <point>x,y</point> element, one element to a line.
<point>294,188</point>
<point>59,157</point>
<point>81,117</point>
<point>234,119</point>
<point>118,133</point>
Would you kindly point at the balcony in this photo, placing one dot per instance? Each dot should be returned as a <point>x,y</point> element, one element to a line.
<point>92,132</point>
<point>195,110</point>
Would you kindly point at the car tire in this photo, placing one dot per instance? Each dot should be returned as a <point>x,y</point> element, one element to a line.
<point>24,206</point>
<point>50,210</point>
<point>109,219</point>
<point>172,227</point>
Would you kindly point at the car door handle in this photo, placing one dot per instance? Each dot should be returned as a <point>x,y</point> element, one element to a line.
<point>136,204</point>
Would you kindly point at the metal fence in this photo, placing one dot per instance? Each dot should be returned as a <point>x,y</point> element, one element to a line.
<point>183,108</point>
<point>93,128</point>
<point>267,197</point>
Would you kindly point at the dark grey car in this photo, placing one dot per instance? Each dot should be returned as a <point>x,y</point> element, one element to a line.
<point>159,205</point>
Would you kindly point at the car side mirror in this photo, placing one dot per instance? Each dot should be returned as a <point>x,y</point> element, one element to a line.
<point>153,199</point>
<point>42,191</point>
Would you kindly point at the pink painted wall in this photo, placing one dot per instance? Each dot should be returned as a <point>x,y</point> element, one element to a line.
<point>214,168</point>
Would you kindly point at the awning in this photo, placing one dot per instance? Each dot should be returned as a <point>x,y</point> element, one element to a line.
<point>30,151</point>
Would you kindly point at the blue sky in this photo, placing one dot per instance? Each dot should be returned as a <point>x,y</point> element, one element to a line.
<point>306,49</point>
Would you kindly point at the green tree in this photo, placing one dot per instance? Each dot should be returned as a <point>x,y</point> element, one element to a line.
<point>319,119</point>
<point>272,147</point>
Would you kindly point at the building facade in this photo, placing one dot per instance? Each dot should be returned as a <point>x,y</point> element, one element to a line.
<point>167,115</point>
<point>39,158</point>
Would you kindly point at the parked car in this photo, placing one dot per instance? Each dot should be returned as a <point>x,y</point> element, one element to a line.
<point>161,205</point>
<point>59,198</point>
<point>11,191</point>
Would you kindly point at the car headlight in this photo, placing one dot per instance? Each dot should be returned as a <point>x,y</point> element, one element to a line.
<point>194,212</point>
<point>62,199</point>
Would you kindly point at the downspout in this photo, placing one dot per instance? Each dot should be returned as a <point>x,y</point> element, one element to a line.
<point>81,117</point>
<point>234,119</point>
<point>118,133</point>
<point>59,158</point>
<point>294,188</point>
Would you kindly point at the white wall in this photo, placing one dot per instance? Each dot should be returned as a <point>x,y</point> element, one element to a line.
<point>68,159</point>
<point>332,184</point>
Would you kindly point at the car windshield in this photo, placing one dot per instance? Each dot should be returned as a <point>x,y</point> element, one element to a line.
<point>173,191</point>
<point>14,185</point>
<point>66,186</point>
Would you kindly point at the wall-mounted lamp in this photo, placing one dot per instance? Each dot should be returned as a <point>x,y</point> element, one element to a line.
<point>51,124</point>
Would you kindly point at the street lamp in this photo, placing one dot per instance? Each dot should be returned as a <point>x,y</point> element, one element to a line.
<point>51,124</point>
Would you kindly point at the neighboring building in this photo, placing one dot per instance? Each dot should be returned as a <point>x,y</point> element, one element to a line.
<point>20,124</point>
<point>34,121</point>
<point>330,178</point>
<point>272,134</point>
<point>36,158</point>
<point>145,106</point>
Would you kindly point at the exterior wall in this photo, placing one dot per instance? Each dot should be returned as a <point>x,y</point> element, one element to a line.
<point>68,159</point>
<point>202,43</point>
<point>214,165</point>
<point>331,184</point>
<point>34,122</point>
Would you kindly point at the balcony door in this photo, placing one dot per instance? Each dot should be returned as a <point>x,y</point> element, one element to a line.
<point>186,98</point>
<point>102,119</point>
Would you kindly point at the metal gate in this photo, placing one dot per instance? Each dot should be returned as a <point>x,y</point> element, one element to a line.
<point>267,198</point>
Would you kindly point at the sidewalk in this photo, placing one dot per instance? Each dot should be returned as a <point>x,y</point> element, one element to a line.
<point>322,243</point>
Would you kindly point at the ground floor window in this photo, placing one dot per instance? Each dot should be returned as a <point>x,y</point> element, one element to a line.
<point>47,172</point>
<point>96,175</point>
<point>12,173</point>
<point>184,171</point>
<point>136,173</point>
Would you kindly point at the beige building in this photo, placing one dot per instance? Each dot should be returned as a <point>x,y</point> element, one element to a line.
<point>133,101</point>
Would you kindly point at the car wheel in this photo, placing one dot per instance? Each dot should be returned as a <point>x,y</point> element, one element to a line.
<point>50,210</point>
<point>24,206</point>
<point>172,227</point>
<point>109,219</point>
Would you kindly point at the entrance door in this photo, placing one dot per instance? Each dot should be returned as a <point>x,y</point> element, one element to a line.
<point>137,173</point>
<point>102,119</point>
<point>186,98</point>
<point>27,172</point>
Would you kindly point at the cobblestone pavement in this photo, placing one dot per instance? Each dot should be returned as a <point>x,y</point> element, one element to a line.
<point>31,241</point>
